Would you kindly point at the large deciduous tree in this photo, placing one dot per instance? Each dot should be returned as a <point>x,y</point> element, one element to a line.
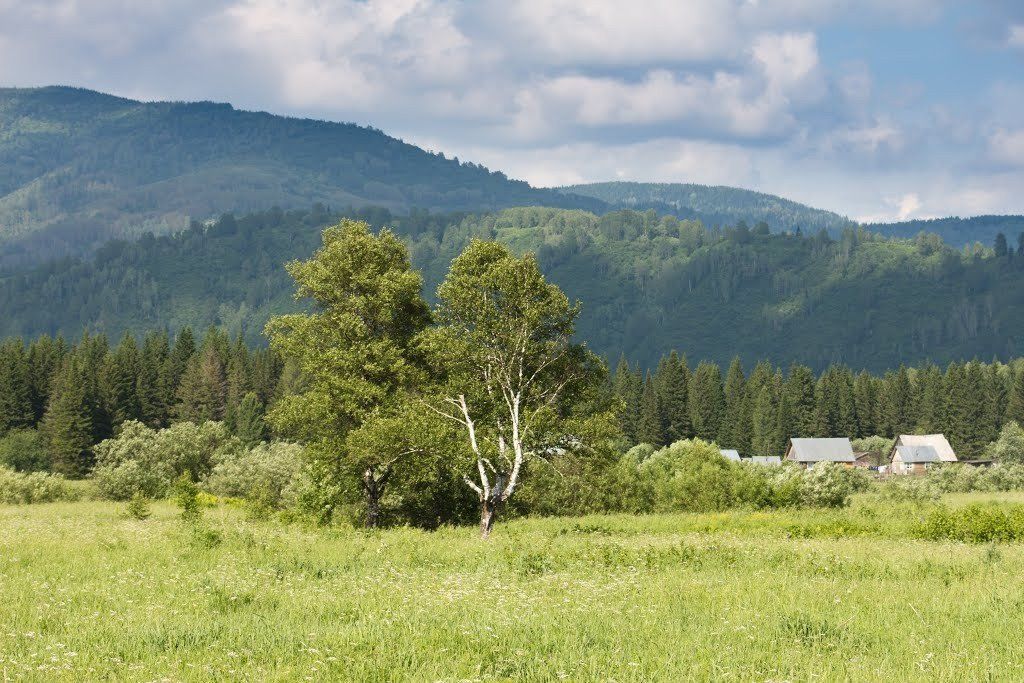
<point>354,352</point>
<point>511,375</point>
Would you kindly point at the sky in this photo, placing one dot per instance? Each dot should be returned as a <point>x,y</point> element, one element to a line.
<point>878,109</point>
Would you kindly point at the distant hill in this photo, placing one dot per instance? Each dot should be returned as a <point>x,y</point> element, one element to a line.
<point>959,231</point>
<point>647,283</point>
<point>715,205</point>
<point>79,167</point>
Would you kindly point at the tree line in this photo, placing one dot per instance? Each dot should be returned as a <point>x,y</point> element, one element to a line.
<point>757,413</point>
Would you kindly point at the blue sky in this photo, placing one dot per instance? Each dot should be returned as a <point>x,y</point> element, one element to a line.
<point>881,110</point>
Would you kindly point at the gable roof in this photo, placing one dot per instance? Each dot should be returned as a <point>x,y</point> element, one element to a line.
<point>820,450</point>
<point>730,454</point>
<point>936,441</point>
<point>916,454</point>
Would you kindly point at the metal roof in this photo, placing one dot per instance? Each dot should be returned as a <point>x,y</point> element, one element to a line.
<point>917,454</point>
<point>766,459</point>
<point>730,454</point>
<point>936,441</point>
<point>820,450</point>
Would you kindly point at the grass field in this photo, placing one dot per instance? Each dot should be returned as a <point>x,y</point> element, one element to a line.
<point>88,594</point>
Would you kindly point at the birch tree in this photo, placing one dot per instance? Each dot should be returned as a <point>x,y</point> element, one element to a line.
<point>509,371</point>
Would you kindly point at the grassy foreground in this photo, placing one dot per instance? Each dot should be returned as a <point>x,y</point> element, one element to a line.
<point>88,594</point>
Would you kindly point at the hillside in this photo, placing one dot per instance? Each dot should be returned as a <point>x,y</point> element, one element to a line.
<point>714,205</point>
<point>78,167</point>
<point>647,285</point>
<point>958,231</point>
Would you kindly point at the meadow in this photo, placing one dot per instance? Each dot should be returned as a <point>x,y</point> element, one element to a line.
<point>87,593</point>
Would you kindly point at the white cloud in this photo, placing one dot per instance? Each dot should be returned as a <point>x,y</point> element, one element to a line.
<point>1016,36</point>
<point>1007,147</point>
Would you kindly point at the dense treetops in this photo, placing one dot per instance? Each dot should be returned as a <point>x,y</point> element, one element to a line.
<point>78,167</point>
<point>648,283</point>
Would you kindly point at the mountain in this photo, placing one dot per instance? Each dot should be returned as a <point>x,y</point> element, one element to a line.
<point>647,283</point>
<point>79,167</point>
<point>959,231</point>
<point>714,204</point>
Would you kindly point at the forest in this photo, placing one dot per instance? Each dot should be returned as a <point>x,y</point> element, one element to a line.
<point>645,280</point>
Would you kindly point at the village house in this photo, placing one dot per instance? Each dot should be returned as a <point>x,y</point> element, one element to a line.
<point>809,452</point>
<point>915,453</point>
<point>730,454</point>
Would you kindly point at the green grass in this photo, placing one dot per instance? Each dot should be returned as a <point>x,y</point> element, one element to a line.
<point>88,594</point>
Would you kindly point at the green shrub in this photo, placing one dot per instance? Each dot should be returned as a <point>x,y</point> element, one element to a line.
<point>1009,447</point>
<point>138,506</point>
<point>148,461</point>
<point>271,473</point>
<point>186,494</point>
<point>973,524</point>
<point>23,450</point>
<point>689,475</point>
<point>34,487</point>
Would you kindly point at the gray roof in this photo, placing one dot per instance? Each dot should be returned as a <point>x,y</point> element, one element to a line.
<point>730,454</point>
<point>820,450</point>
<point>918,454</point>
<point>936,441</point>
<point>766,459</point>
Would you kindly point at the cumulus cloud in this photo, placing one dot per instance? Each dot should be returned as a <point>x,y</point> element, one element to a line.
<point>1007,147</point>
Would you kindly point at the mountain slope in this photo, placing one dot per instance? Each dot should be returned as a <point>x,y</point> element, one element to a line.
<point>79,167</point>
<point>959,231</point>
<point>715,205</point>
<point>647,285</point>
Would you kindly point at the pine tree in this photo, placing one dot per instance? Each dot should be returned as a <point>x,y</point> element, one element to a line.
<point>673,381</point>
<point>652,427</point>
<point>67,426</point>
<point>707,401</point>
<point>735,427</point>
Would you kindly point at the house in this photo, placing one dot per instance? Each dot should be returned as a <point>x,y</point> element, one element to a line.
<point>936,441</point>
<point>913,459</point>
<point>865,459</point>
<point>772,460</point>
<point>730,454</point>
<point>809,452</point>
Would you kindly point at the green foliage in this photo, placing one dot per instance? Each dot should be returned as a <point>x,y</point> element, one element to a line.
<point>186,495</point>
<point>138,507</point>
<point>973,524</point>
<point>148,461</point>
<point>274,474</point>
<point>1009,447</point>
<point>18,488</point>
<point>23,450</point>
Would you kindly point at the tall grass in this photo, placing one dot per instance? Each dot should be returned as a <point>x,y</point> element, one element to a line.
<point>88,593</point>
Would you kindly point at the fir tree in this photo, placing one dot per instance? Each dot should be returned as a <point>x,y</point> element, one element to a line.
<point>122,376</point>
<point>865,399</point>
<point>734,431</point>
<point>800,391</point>
<point>151,386</point>
<point>672,382</point>
<point>202,393</point>
<point>248,424</point>
<point>1015,401</point>
<point>765,423</point>
<point>628,387</point>
<point>177,361</point>
<point>15,387</point>
<point>931,390</point>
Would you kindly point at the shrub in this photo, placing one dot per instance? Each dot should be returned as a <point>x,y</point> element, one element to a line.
<point>186,494</point>
<point>138,507</point>
<point>34,487</point>
<point>148,461</point>
<point>689,475</point>
<point>1009,447</point>
<point>271,474</point>
<point>973,524</point>
<point>23,450</point>
<point>829,484</point>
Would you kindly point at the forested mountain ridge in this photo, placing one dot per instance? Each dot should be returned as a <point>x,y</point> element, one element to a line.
<point>714,204</point>
<point>723,205</point>
<point>79,167</point>
<point>647,283</point>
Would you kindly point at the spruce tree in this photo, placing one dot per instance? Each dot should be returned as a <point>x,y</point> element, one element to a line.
<point>652,427</point>
<point>177,361</point>
<point>202,394</point>
<point>1015,401</point>
<point>734,431</point>
<point>765,423</point>
<point>865,399</point>
<point>932,396</point>
<point>627,387</point>
<point>249,425</point>
<point>707,401</point>
<point>67,426</point>
<point>122,375</point>
<point>45,356</point>
<point>800,392</point>
<point>151,386</point>
<point>673,390</point>
<point>898,402</point>
<point>998,397</point>
<point>15,387</point>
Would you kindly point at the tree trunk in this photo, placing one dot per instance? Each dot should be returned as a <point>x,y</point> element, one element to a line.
<point>373,491</point>
<point>488,511</point>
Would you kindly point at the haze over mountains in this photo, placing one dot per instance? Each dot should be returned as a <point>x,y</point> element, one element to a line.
<point>78,168</point>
